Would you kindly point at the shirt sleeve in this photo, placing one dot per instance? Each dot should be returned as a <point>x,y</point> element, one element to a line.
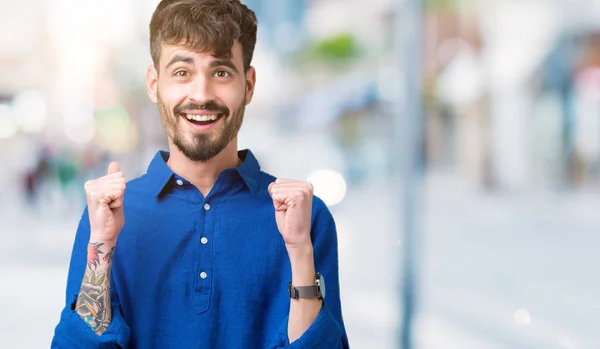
<point>327,331</point>
<point>72,331</point>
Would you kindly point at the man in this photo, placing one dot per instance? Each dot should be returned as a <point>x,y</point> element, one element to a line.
<point>204,250</point>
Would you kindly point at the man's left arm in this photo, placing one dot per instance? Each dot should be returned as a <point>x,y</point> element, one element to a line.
<point>312,322</point>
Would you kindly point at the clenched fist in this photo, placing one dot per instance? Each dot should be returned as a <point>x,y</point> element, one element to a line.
<point>105,205</point>
<point>293,210</point>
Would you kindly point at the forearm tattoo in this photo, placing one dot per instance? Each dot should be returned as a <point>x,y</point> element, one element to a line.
<point>93,302</point>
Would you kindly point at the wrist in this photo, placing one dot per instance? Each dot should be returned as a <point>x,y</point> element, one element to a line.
<point>299,248</point>
<point>303,266</point>
<point>300,254</point>
<point>106,242</point>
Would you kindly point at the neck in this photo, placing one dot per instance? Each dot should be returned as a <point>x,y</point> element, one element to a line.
<point>203,175</point>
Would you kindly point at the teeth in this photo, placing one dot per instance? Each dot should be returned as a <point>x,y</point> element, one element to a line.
<point>201,117</point>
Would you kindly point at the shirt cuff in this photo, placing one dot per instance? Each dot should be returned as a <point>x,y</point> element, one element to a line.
<point>325,332</point>
<point>73,332</point>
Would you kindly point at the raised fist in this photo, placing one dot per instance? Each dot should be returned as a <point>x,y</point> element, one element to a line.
<point>105,205</point>
<point>293,207</point>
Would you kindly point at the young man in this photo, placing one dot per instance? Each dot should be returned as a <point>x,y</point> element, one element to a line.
<point>204,250</point>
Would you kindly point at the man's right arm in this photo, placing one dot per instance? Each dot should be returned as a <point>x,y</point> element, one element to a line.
<point>94,320</point>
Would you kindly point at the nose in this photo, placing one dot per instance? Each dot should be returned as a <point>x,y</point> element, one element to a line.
<point>200,90</point>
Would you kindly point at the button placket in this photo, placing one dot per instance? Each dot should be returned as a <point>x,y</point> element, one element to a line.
<point>206,226</point>
<point>206,261</point>
<point>204,239</point>
<point>204,264</point>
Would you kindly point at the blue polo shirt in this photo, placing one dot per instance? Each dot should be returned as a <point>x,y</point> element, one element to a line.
<point>203,272</point>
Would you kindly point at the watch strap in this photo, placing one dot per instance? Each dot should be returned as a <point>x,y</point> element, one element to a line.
<point>312,291</point>
<point>303,291</point>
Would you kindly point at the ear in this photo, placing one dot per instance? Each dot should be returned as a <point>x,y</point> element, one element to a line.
<point>152,83</point>
<point>250,84</point>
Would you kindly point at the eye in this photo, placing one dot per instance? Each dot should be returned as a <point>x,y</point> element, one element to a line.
<point>222,74</point>
<point>182,73</point>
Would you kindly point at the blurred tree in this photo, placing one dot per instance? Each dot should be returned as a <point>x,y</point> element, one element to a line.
<point>337,47</point>
<point>340,48</point>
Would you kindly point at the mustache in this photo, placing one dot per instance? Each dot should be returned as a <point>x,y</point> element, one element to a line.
<point>208,106</point>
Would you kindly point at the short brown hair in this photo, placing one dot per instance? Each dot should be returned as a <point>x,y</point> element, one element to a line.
<point>204,25</point>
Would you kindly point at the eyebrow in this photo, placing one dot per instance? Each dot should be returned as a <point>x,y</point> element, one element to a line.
<point>179,58</point>
<point>225,63</point>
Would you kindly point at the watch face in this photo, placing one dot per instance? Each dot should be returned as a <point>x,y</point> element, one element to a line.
<point>322,285</point>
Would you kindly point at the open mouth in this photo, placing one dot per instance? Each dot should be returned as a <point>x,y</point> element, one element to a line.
<point>202,120</point>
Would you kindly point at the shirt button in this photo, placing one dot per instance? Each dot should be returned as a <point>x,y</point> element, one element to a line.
<point>179,182</point>
<point>204,241</point>
<point>207,207</point>
<point>203,275</point>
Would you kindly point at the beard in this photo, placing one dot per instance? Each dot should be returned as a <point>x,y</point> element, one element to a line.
<point>201,147</point>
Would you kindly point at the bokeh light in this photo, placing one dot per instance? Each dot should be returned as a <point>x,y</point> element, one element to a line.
<point>522,317</point>
<point>566,342</point>
<point>329,185</point>
<point>81,133</point>
<point>31,111</point>
<point>115,129</point>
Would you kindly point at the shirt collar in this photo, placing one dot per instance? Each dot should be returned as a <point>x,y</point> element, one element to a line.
<point>160,174</point>
<point>249,170</point>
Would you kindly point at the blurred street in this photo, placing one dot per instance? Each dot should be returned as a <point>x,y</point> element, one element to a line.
<point>484,258</point>
<point>496,102</point>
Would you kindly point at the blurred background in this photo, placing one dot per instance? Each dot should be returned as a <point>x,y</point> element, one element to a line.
<point>502,237</point>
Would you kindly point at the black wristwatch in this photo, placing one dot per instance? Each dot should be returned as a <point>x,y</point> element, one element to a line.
<point>314,291</point>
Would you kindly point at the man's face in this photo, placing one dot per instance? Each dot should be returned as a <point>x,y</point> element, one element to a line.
<point>201,98</point>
